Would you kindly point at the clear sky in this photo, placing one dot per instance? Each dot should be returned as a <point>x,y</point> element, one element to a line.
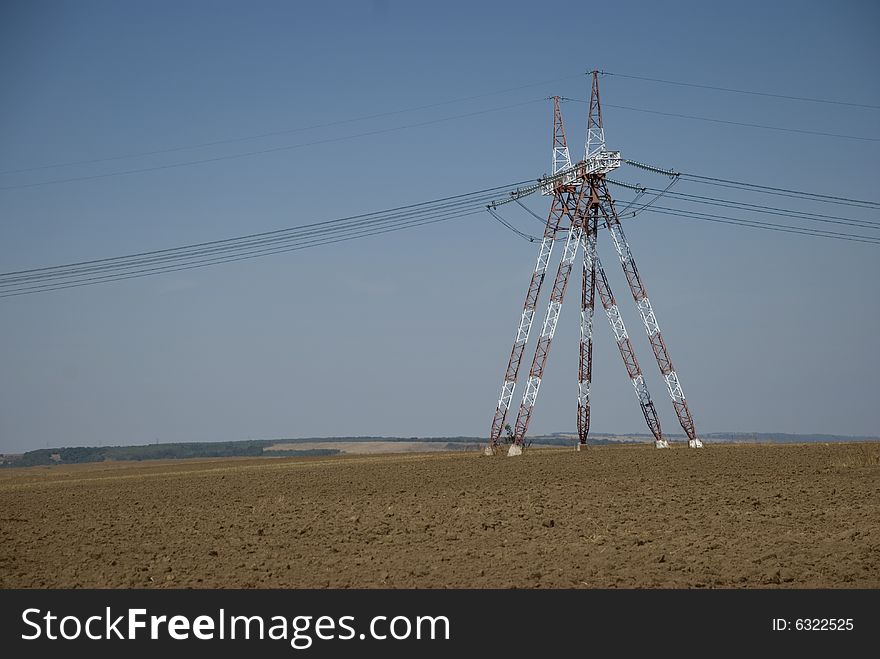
<point>408,334</point>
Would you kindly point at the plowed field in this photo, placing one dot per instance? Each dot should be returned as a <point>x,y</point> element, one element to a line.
<point>725,516</point>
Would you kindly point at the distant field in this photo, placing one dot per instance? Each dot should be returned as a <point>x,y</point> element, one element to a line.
<point>363,447</point>
<point>747,516</point>
<point>373,448</point>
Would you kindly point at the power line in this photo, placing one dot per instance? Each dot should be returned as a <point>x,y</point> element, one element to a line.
<point>709,217</point>
<point>127,273</point>
<point>773,210</point>
<point>733,123</point>
<point>530,212</point>
<point>770,210</point>
<point>770,226</point>
<point>743,91</point>
<point>728,203</point>
<point>239,243</point>
<point>197,255</point>
<point>723,219</point>
<point>246,154</point>
<point>497,217</point>
<point>806,231</point>
<point>745,124</point>
<point>783,192</point>
<point>756,187</point>
<point>286,131</point>
<point>659,194</point>
<point>269,233</point>
<point>252,246</point>
<point>169,269</point>
<point>632,202</point>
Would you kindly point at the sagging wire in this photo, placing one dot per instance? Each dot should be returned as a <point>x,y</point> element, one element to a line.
<point>640,192</point>
<point>656,197</point>
<point>530,212</point>
<point>510,227</point>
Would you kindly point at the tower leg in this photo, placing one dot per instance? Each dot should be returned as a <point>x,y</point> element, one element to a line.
<point>542,350</point>
<point>646,310</point>
<point>588,300</point>
<point>557,296</point>
<point>624,345</point>
<point>558,209</point>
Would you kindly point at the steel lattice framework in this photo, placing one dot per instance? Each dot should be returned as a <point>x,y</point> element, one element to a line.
<point>580,203</point>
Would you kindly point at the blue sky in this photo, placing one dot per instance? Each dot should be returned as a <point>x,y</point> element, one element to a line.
<point>408,334</point>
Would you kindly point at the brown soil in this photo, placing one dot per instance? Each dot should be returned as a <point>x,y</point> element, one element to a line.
<point>726,516</point>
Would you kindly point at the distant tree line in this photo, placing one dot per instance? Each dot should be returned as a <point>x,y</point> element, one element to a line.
<point>81,454</point>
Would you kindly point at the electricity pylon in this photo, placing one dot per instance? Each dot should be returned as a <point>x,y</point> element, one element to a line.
<point>580,203</point>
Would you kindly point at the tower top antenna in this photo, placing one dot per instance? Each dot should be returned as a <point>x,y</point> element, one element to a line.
<point>561,156</point>
<point>595,132</point>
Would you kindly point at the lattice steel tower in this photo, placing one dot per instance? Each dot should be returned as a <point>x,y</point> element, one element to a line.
<point>580,202</point>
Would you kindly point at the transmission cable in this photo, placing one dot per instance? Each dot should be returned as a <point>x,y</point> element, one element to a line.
<point>531,212</point>
<point>509,226</point>
<point>742,91</point>
<point>731,123</point>
<point>782,192</point>
<point>493,190</point>
<point>199,264</point>
<point>770,210</point>
<point>248,244</point>
<point>259,152</point>
<point>197,255</point>
<point>771,226</point>
<point>773,210</point>
<point>286,131</point>
<point>254,250</point>
<point>660,193</point>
